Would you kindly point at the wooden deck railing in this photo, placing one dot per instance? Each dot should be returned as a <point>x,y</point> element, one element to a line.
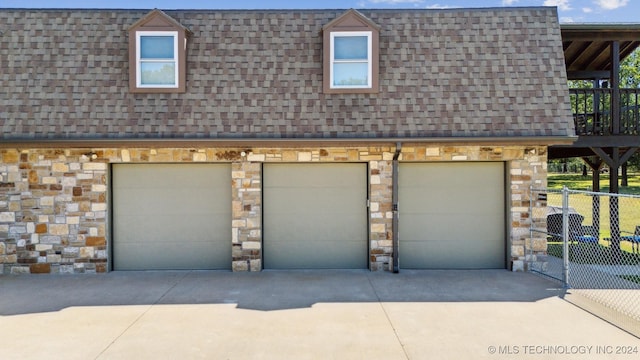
<point>593,116</point>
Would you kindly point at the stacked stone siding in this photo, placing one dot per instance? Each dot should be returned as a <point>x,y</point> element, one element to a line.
<point>54,203</point>
<point>246,230</point>
<point>54,212</point>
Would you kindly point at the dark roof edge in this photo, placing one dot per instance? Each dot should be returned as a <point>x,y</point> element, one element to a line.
<point>298,142</point>
<point>494,8</point>
<point>600,26</point>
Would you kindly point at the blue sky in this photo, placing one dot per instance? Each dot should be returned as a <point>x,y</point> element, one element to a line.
<point>568,10</point>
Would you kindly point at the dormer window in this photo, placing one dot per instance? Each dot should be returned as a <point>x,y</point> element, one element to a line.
<point>157,59</point>
<point>157,55</point>
<point>351,60</point>
<point>351,52</point>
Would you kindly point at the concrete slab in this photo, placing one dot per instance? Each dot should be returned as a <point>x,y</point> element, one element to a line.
<point>324,331</point>
<point>71,333</point>
<point>299,314</point>
<point>508,330</point>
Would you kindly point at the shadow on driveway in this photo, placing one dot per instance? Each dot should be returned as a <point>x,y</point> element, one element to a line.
<point>267,290</point>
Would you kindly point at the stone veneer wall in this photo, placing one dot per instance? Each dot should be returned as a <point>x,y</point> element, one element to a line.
<point>54,203</point>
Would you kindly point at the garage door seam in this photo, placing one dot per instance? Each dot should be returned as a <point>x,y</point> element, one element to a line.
<point>143,313</point>
<point>395,331</point>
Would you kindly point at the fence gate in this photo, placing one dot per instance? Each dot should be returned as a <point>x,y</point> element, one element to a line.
<point>592,247</point>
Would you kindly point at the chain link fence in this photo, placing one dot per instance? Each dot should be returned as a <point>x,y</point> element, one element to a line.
<point>593,247</point>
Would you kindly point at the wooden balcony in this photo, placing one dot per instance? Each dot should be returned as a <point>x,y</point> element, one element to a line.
<point>593,115</point>
<point>606,119</point>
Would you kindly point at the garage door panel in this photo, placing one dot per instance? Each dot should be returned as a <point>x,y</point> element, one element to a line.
<point>315,216</point>
<point>170,175</point>
<point>324,200</point>
<point>168,256</point>
<point>306,176</point>
<point>441,202</point>
<point>169,203</point>
<point>172,216</point>
<point>438,255</point>
<point>288,257</point>
<point>452,215</point>
<point>142,230</point>
<point>428,226</point>
<point>322,227</point>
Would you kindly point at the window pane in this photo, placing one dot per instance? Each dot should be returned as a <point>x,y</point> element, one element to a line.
<point>158,73</point>
<point>350,48</point>
<point>156,47</point>
<point>350,74</point>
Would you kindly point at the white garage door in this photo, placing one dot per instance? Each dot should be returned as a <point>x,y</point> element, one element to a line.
<point>315,216</point>
<point>171,216</point>
<point>452,215</point>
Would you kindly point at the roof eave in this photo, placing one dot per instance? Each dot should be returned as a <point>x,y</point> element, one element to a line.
<point>290,142</point>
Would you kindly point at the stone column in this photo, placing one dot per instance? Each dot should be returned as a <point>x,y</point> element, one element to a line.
<point>246,227</point>
<point>527,167</point>
<point>381,215</point>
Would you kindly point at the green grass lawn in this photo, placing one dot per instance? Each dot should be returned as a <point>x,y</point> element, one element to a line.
<point>628,208</point>
<point>579,182</point>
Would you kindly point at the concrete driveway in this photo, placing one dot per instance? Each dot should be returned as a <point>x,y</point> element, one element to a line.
<point>488,314</point>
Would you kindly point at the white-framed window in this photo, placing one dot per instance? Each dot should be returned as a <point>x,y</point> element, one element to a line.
<point>351,60</point>
<point>157,59</point>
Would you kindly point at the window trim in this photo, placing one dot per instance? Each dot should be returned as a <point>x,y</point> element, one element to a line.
<point>157,22</point>
<point>369,60</point>
<point>351,21</point>
<point>176,59</point>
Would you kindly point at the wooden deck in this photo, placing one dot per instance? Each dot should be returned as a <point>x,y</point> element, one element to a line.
<point>592,113</point>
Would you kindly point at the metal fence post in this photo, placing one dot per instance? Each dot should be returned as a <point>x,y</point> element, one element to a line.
<point>565,236</point>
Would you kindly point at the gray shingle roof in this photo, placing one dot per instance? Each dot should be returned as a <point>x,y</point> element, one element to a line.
<point>443,73</point>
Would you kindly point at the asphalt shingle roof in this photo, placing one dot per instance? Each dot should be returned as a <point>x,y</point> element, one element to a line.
<point>258,74</point>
